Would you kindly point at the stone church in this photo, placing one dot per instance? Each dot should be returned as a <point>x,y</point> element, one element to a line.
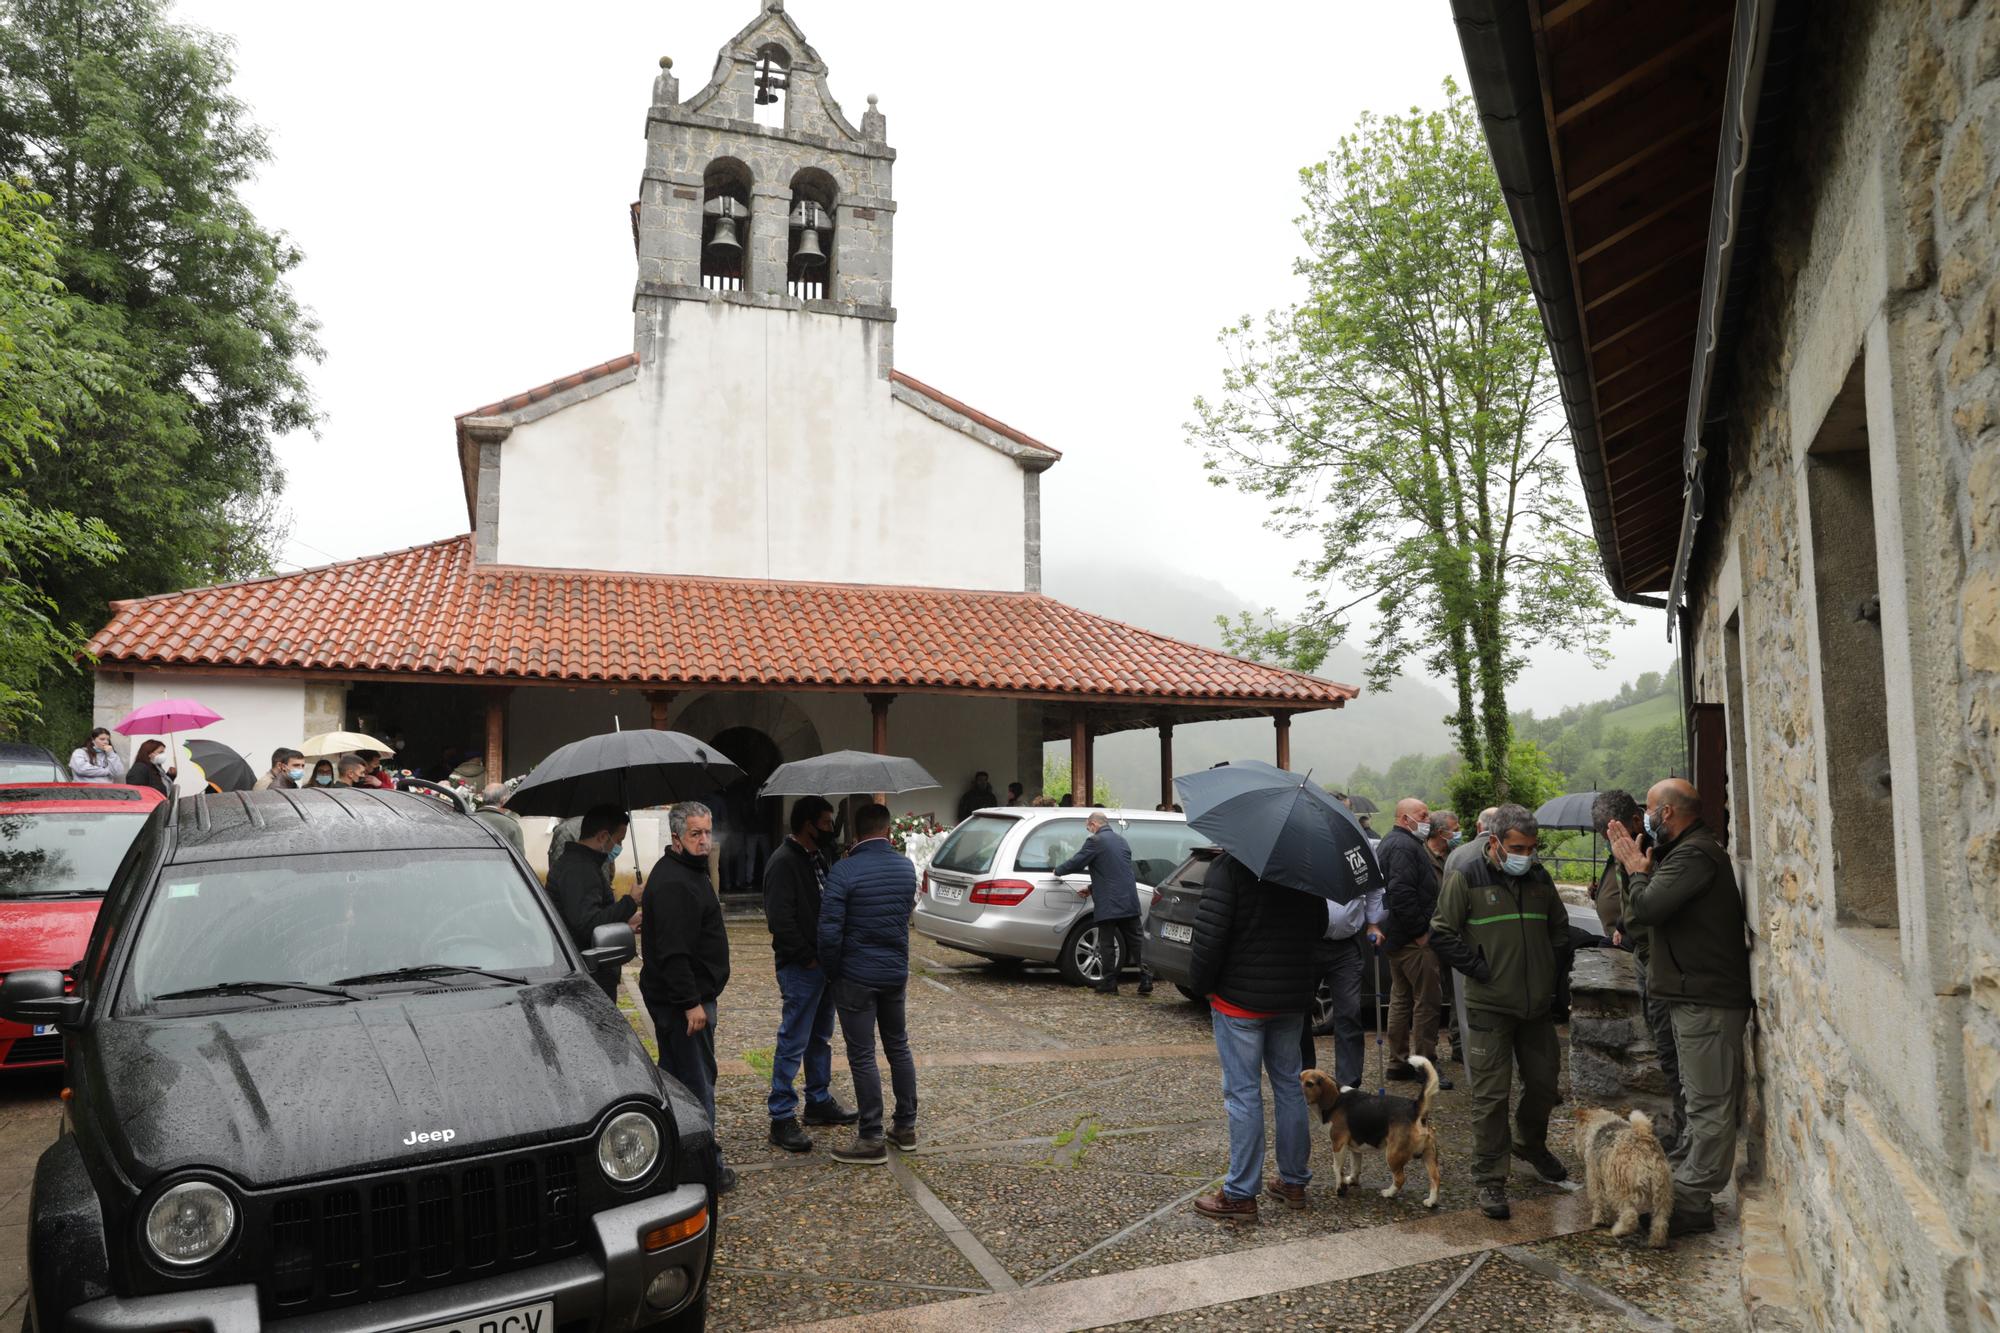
<point>753,527</point>
<point>1765,236</point>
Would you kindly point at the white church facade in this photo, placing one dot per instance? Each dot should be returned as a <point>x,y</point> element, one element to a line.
<point>742,569</point>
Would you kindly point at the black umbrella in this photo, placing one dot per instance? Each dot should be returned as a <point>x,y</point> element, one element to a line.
<point>1361,805</point>
<point>228,770</point>
<point>844,772</point>
<point>1283,828</point>
<point>628,769</point>
<point>1568,812</point>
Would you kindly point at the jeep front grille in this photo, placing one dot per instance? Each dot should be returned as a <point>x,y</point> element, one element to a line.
<point>387,1235</point>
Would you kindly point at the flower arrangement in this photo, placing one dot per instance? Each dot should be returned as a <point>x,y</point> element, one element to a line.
<point>909,826</point>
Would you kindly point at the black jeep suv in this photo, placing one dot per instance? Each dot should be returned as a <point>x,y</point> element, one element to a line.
<point>336,1065</point>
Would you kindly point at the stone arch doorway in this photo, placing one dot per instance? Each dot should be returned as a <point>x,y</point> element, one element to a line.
<point>758,732</point>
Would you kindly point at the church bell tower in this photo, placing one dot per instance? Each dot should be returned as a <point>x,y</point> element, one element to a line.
<point>758,191</point>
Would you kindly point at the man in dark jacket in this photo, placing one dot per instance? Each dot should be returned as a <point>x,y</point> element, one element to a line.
<point>1501,924</point>
<point>1608,897</point>
<point>1114,901</point>
<point>1252,956</point>
<point>562,835</point>
<point>977,797</point>
<point>1473,850</point>
<point>1409,897</point>
<point>864,949</point>
<point>684,959</point>
<point>1685,893</point>
<point>792,881</point>
<point>580,889</point>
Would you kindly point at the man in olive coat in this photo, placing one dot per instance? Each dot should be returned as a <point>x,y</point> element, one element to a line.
<point>1501,924</point>
<point>1684,892</point>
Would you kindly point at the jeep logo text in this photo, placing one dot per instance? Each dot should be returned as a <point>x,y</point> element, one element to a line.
<point>430,1136</point>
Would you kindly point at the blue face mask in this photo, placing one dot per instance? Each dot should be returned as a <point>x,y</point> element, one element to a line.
<point>323,779</point>
<point>1454,840</point>
<point>616,848</point>
<point>1517,864</point>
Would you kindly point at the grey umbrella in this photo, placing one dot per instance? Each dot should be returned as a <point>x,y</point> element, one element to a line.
<point>1283,828</point>
<point>847,771</point>
<point>228,770</point>
<point>1361,805</point>
<point>628,769</point>
<point>1568,812</point>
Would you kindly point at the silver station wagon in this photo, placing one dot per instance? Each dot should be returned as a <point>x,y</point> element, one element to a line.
<point>991,890</point>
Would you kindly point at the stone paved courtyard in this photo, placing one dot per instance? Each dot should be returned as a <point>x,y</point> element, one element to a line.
<point>1064,1136</point>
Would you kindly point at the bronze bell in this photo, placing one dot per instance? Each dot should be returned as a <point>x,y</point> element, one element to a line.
<point>807,219</point>
<point>809,252</point>
<point>724,235</point>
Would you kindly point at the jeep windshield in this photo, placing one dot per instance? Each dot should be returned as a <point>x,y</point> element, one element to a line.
<point>322,929</point>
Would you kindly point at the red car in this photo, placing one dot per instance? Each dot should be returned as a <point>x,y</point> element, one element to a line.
<point>60,843</point>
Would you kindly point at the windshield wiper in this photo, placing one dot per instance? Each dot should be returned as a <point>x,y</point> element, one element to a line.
<point>256,988</point>
<point>422,970</point>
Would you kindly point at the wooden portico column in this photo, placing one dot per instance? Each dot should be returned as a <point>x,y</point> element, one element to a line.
<point>496,734</point>
<point>878,717</point>
<point>1166,762</point>
<point>659,704</point>
<point>1282,722</point>
<point>1079,757</point>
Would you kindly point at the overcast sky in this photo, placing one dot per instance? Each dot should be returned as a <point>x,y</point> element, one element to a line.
<point>1086,194</point>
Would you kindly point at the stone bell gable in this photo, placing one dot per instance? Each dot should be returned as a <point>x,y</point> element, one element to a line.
<point>751,175</point>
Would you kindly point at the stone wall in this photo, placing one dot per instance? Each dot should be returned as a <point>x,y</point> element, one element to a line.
<point>1877,294</point>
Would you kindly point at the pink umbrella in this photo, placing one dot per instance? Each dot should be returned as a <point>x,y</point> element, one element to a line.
<point>165,718</point>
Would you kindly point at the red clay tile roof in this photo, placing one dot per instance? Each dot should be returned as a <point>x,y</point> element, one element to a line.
<point>430,610</point>
<point>553,387</point>
<point>997,427</point>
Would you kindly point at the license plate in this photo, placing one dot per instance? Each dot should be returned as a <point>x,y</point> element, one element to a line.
<point>45,1029</point>
<point>1178,934</point>
<point>539,1317</point>
<point>947,893</point>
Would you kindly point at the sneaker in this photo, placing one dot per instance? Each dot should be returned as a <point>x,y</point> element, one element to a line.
<point>1545,1163</point>
<point>726,1181</point>
<point>1689,1222</point>
<point>1222,1207</point>
<point>905,1139</point>
<point>1493,1202</point>
<point>830,1112</point>
<point>786,1134</point>
<point>1292,1196</point>
<point>1402,1071</point>
<point>863,1152</point>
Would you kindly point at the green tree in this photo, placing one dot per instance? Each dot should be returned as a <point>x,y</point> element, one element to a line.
<point>47,382</point>
<point>1400,416</point>
<point>126,121</point>
<point>1056,782</point>
<point>1535,780</point>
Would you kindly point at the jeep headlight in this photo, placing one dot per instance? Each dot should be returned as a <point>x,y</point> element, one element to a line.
<point>190,1223</point>
<point>628,1147</point>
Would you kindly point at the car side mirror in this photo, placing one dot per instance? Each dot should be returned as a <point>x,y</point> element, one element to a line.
<point>37,996</point>
<point>610,946</point>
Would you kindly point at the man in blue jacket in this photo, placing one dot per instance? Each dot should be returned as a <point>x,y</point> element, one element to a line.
<point>1114,901</point>
<point>864,950</point>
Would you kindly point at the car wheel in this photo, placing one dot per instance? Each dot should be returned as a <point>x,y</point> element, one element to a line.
<point>1078,959</point>
<point>1192,997</point>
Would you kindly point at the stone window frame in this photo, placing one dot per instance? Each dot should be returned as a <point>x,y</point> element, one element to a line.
<point>1738,688</point>
<point>1868,305</point>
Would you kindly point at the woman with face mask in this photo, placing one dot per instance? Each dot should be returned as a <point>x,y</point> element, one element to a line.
<point>152,769</point>
<point>323,773</point>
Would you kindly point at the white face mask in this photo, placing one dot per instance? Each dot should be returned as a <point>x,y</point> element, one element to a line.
<point>1423,830</point>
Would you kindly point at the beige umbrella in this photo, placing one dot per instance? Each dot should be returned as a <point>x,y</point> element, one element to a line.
<point>332,743</point>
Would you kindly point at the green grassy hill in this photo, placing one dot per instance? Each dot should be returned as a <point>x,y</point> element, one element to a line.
<point>1644,716</point>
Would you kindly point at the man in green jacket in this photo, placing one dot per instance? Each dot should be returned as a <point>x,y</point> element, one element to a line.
<point>1500,923</point>
<point>1685,893</point>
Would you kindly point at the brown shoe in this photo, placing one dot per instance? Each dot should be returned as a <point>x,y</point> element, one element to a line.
<point>1222,1207</point>
<point>906,1139</point>
<point>1292,1196</point>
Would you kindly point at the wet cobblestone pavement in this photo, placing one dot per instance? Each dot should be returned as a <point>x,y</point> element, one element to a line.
<point>1064,1135</point>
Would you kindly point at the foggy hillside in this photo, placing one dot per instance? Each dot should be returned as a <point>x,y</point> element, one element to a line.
<point>1374,729</point>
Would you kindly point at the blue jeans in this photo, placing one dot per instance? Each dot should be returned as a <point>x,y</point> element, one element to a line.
<point>1248,1048</point>
<point>805,1036</point>
<point>865,1010</point>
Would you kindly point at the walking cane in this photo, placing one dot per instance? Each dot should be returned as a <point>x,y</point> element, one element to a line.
<point>1381,1050</point>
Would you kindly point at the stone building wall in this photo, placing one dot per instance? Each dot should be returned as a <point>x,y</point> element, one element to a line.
<point>1877,935</point>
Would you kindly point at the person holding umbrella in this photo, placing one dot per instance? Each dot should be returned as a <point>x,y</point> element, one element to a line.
<point>1502,925</point>
<point>146,770</point>
<point>579,890</point>
<point>96,761</point>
